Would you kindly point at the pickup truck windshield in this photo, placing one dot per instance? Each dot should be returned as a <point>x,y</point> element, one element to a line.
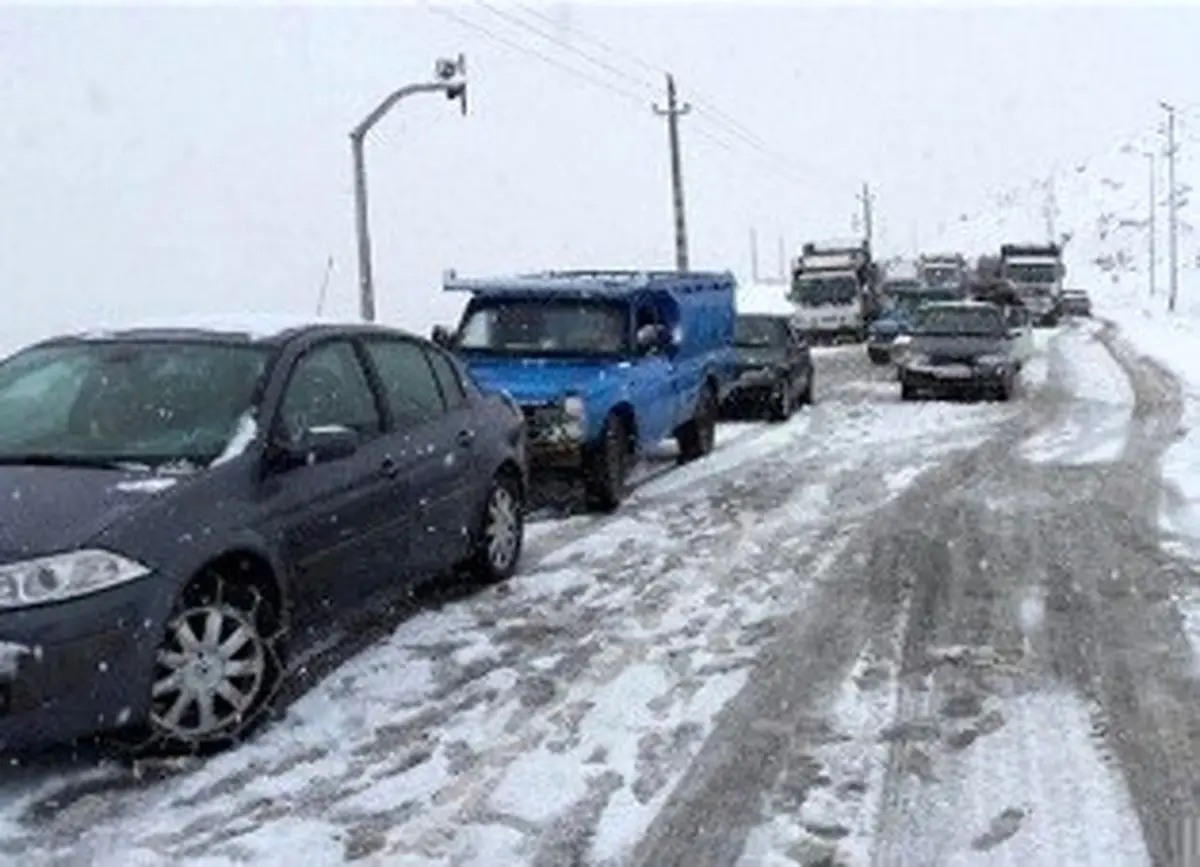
<point>1031,273</point>
<point>823,291</point>
<point>961,320</point>
<point>536,327</point>
<point>759,331</point>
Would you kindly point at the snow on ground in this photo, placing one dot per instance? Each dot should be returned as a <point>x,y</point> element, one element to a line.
<point>1018,797</point>
<point>550,716</point>
<point>1096,427</point>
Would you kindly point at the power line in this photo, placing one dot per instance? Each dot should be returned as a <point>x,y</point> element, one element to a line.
<point>545,58</point>
<point>702,105</point>
<point>550,37</point>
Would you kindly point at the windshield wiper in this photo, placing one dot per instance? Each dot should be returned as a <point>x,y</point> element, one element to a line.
<point>44,460</point>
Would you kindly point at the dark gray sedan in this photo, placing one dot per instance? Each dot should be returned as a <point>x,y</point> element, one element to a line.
<point>181,510</point>
<point>775,370</point>
<point>960,347</point>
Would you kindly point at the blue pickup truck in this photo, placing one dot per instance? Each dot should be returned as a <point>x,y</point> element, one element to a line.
<point>604,364</point>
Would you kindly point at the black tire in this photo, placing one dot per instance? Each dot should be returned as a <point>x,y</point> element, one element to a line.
<point>696,436</point>
<point>606,468</point>
<point>1005,391</point>
<point>176,725</point>
<point>779,407</point>
<point>501,533</point>
<point>805,398</point>
<point>877,357</point>
<point>907,392</point>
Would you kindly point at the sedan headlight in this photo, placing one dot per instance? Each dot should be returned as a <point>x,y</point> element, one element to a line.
<point>916,359</point>
<point>64,576</point>
<point>994,360</point>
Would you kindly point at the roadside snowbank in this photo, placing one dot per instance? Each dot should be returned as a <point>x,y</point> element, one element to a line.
<point>1097,427</point>
<point>1172,340</point>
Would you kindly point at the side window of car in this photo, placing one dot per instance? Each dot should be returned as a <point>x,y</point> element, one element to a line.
<point>409,384</point>
<point>448,379</point>
<point>328,387</point>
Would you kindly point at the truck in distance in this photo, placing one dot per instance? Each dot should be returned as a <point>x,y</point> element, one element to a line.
<point>1036,271</point>
<point>832,290</point>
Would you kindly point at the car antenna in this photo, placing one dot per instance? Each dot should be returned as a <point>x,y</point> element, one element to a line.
<point>324,285</point>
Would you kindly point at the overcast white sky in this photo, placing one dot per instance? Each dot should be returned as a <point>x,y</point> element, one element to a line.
<point>169,161</point>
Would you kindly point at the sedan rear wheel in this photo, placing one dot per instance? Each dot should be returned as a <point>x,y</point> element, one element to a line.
<point>503,533</point>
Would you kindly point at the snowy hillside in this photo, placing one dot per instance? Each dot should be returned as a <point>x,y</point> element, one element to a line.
<point>1102,212</point>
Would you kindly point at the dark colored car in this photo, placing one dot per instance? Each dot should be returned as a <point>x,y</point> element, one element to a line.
<point>775,370</point>
<point>1075,302</point>
<point>181,510</point>
<point>961,346</point>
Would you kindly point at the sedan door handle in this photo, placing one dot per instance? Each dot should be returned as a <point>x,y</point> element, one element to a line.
<point>390,467</point>
<point>465,438</point>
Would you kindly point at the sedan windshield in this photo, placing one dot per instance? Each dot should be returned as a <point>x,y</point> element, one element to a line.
<point>141,402</point>
<point>760,331</point>
<point>962,320</point>
<point>536,327</point>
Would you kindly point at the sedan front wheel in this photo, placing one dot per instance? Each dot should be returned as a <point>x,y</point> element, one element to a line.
<point>217,668</point>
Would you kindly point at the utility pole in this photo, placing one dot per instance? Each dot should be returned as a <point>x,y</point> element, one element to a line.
<point>1153,207</point>
<point>452,82</point>
<point>783,270</point>
<point>867,200</point>
<point>1172,225</point>
<point>672,113</point>
<point>1051,209</point>
<point>754,255</point>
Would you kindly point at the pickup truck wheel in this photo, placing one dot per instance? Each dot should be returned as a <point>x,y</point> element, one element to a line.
<point>805,398</point>
<point>779,408</point>
<point>607,467</point>
<point>696,436</point>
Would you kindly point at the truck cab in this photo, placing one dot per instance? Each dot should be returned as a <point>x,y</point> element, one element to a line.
<point>1037,271</point>
<point>832,289</point>
<point>602,364</point>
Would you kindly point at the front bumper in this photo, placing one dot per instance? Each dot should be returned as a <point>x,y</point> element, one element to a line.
<point>89,667</point>
<point>954,377</point>
<point>753,387</point>
<point>551,442</point>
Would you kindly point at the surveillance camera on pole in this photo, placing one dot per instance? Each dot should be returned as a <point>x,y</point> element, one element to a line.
<point>449,78</point>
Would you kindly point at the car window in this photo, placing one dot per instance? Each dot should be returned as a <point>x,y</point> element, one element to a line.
<point>448,379</point>
<point>328,387</point>
<point>409,383</point>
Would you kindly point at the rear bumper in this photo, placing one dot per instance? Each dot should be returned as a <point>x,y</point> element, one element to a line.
<point>88,668</point>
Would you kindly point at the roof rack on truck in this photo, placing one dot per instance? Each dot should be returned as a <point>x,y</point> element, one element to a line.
<point>575,282</point>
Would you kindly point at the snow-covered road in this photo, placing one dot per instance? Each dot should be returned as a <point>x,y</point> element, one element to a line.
<point>902,633</point>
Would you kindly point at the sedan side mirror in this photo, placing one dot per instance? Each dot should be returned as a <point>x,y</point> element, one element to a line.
<point>442,336</point>
<point>317,445</point>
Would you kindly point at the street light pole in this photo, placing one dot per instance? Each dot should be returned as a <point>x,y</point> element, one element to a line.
<point>451,81</point>
<point>1172,248</point>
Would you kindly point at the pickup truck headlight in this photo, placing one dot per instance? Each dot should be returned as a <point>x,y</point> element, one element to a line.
<point>65,576</point>
<point>574,414</point>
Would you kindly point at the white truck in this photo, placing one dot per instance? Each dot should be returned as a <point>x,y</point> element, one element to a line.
<point>832,287</point>
<point>943,270</point>
<point>1036,272</point>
